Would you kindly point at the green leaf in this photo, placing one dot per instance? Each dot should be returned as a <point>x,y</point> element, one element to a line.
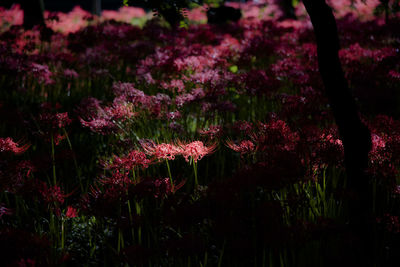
<point>233,68</point>
<point>183,24</point>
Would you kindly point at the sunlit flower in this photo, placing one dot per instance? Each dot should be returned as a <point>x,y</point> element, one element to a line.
<point>161,151</point>
<point>196,150</point>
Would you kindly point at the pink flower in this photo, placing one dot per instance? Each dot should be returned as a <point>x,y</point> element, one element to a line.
<point>394,74</point>
<point>161,151</point>
<point>57,120</point>
<point>196,150</point>
<point>42,73</point>
<point>8,145</point>
<point>275,134</point>
<point>52,194</point>
<point>243,126</point>
<point>244,147</point>
<point>174,115</point>
<point>133,159</point>
<point>70,74</point>
<point>71,212</point>
<point>174,84</point>
<point>377,142</point>
<point>116,185</point>
<point>99,125</point>
<point>158,188</point>
<point>214,131</point>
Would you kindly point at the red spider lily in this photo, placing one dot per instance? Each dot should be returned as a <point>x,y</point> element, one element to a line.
<point>57,120</point>
<point>214,131</point>
<point>99,125</point>
<point>13,177</point>
<point>195,94</point>
<point>322,145</point>
<point>70,74</point>
<point>71,212</point>
<point>133,159</point>
<point>196,150</point>
<point>394,74</point>
<point>118,179</point>
<point>53,193</point>
<point>120,111</point>
<point>174,115</point>
<point>243,126</point>
<point>157,188</point>
<point>42,73</point>
<point>105,119</point>
<point>50,123</point>
<point>115,186</point>
<point>8,145</point>
<point>275,134</point>
<point>161,151</point>
<point>174,84</point>
<point>391,222</point>
<point>4,211</point>
<point>244,147</point>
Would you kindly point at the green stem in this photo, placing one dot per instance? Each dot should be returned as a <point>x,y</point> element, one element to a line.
<point>205,259</point>
<point>221,254</point>
<point>62,234</point>
<point>139,212</point>
<point>133,175</point>
<point>120,240</point>
<point>170,175</point>
<point>131,219</point>
<point>196,182</point>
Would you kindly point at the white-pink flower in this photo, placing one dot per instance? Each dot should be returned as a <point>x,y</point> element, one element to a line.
<point>196,150</point>
<point>161,151</point>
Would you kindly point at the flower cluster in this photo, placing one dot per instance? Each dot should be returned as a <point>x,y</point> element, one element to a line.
<point>8,145</point>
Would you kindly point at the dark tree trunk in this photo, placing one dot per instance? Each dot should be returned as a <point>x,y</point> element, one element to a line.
<point>33,13</point>
<point>355,135</point>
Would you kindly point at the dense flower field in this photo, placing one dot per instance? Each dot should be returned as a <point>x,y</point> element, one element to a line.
<point>123,142</point>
